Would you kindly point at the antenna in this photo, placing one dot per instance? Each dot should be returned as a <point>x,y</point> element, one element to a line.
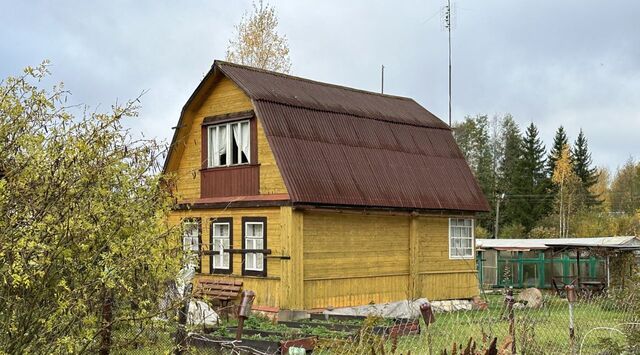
<point>382,81</point>
<point>447,22</point>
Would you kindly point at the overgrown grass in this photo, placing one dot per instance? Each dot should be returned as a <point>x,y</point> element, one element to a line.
<point>538,331</point>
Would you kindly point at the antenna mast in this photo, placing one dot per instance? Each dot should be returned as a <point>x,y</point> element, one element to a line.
<point>382,81</point>
<point>447,26</point>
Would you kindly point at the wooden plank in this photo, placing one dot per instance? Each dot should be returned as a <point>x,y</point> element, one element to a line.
<point>292,290</point>
<point>413,257</point>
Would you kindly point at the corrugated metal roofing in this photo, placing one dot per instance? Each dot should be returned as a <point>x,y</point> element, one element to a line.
<point>546,243</point>
<point>341,146</point>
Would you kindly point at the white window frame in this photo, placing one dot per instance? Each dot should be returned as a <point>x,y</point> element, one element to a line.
<point>212,136</point>
<point>452,238</point>
<point>217,242</point>
<point>253,256</point>
<point>188,244</point>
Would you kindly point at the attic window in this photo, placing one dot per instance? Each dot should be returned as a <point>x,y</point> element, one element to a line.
<point>229,144</point>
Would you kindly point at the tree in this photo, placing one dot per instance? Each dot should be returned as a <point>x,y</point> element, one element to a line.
<point>476,143</point>
<point>510,178</point>
<point>257,43</point>
<point>582,166</point>
<point>560,140</point>
<point>535,183</point>
<point>568,185</point>
<point>601,188</point>
<point>81,223</point>
<point>625,188</point>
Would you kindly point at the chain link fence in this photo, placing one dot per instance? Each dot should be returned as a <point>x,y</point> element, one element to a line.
<point>499,322</point>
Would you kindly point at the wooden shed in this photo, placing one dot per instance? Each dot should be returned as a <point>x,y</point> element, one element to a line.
<point>318,195</point>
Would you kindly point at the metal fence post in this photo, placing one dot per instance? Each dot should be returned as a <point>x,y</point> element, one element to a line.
<point>510,301</point>
<point>571,297</point>
<point>244,311</point>
<point>181,331</point>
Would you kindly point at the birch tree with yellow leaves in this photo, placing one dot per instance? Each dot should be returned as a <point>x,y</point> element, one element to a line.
<point>568,185</point>
<point>257,43</point>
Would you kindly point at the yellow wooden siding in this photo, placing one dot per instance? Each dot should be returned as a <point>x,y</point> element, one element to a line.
<point>271,181</point>
<point>355,291</point>
<point>448,285</point>
<point>439,276</point>
<point>292,287</point>
<point>267,289</point>
<point>223,98</point>
<point>354,259</point>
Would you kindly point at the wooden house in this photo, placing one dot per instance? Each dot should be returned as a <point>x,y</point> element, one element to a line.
<point>319,195</point>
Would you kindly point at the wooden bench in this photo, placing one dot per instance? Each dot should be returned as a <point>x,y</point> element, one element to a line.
<point>223,291</point>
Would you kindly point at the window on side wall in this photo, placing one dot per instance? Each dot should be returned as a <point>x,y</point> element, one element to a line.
<point>191,239</point>
<point>229,144</point>
<point>221,239</point>
<point>461,238</point>
<point>254,237</point>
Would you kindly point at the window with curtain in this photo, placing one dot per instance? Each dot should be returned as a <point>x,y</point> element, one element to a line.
<point>460,238</point>
<point>229,144</point>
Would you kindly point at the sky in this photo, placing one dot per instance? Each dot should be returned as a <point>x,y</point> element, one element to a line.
<point>574,63</point>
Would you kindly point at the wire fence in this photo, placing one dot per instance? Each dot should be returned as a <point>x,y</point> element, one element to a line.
<point>499,322</point>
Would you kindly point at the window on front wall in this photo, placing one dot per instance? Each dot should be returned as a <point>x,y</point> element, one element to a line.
<point>254,238</point>
<point>460,238</point>
<point>229,144</point>
<point>191,242</point>
<point>221,239</point>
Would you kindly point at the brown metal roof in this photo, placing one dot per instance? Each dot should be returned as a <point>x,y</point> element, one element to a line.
<point>342,146</point>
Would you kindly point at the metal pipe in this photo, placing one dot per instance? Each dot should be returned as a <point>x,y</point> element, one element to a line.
<point>571,297</point>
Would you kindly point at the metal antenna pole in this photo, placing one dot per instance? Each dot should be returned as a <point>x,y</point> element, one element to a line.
<point>382,81</point>
<point>448,24</point>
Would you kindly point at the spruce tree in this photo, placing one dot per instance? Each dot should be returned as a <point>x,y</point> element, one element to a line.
<point>582,166</point>
<point>535,182</point>
<point>510,180</point>
<point>560,140</point>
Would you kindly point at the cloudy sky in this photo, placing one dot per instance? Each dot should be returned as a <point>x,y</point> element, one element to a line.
<point>573,62</point>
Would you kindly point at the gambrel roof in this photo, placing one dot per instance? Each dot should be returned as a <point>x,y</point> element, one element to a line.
<point>340,146</point>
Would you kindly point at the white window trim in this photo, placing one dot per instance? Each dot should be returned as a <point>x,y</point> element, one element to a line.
<point>215,238</point>
<point>473,242</point>
<point>229,130</point>
<point>253,256</point>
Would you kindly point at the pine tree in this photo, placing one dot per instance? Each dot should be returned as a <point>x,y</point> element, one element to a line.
<point>535,183</point>
<point>582,166</point>
<point>560,140</point>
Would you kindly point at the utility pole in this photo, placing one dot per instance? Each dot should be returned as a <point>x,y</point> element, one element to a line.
<point>497,226</point>
<point>382,80</point>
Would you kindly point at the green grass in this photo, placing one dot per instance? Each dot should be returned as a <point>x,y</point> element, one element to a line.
<point>538,331</point>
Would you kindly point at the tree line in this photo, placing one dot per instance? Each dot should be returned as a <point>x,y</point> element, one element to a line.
<point>536,193</point>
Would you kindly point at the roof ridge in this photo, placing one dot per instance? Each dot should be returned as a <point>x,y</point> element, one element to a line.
<point>311,81</point>
<point>354,115</point>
